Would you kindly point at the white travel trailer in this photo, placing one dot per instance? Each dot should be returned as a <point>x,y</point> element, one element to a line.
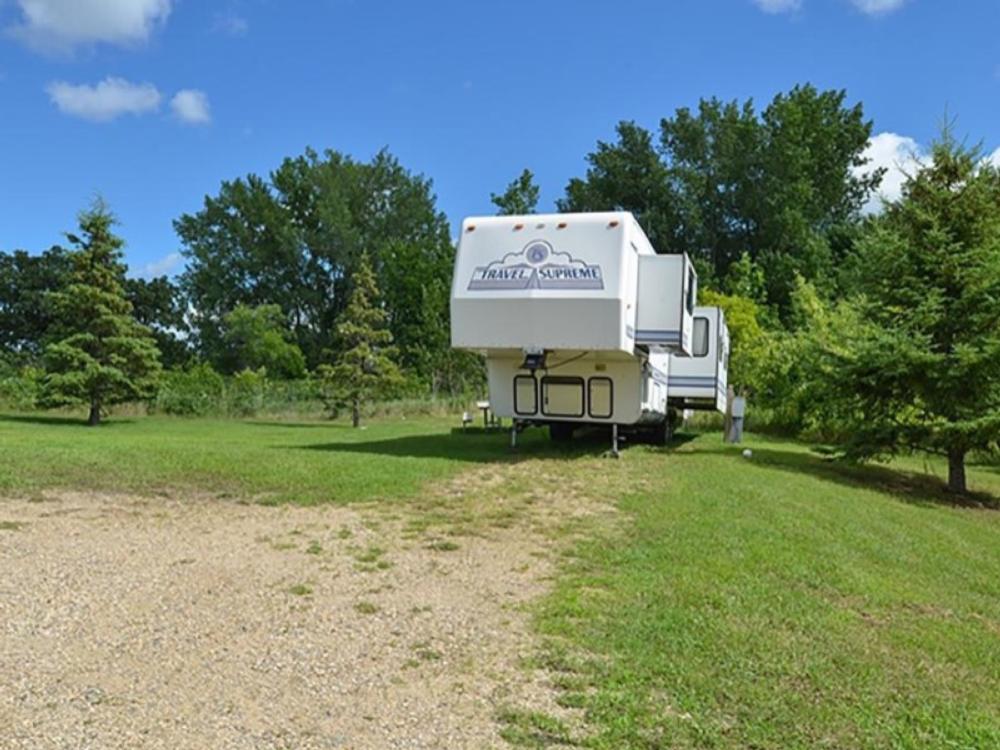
<point>700,380</point>
<point>577,317</point>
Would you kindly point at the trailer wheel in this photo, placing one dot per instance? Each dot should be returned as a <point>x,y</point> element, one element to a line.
<point>662,433</point>
<point>560,432</point>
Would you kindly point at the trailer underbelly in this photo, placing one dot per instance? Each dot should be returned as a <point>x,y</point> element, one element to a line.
<point>579,388</point>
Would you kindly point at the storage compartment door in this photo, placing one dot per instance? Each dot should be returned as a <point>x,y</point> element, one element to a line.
<point>600,398</point>
<point>525,395</point>
<point>562,397</point>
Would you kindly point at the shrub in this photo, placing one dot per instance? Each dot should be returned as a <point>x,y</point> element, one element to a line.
<point>196,391</point>
<point>245,393</point>
<point>20,387</point>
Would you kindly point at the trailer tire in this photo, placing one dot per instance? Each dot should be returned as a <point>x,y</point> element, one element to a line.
<point>662,433</point>
<point>560,432</point>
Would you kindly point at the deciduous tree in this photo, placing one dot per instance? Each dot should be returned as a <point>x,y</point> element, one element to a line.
<point>294,239</point>
<point>25,309</point>
<point>724,180</point>
<point>159,304</point>
<point>258,337</point>
<point>520,197</point>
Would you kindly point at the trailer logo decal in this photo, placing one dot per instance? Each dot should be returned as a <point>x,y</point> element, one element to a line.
<point>537,266</point>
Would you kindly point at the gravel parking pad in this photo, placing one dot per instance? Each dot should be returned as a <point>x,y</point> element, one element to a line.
<point>204,623</point>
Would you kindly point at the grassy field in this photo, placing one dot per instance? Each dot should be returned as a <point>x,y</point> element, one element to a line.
<point>271,461</point>
<point>782,601</point>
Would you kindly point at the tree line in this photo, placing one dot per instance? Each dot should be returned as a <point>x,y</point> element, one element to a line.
<point>877,331</point>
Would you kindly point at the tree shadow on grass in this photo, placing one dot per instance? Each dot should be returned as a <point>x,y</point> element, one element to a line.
<point>472,444</point>
<point>910,487</point>
<point>62,420</point>
<point>304,425</point>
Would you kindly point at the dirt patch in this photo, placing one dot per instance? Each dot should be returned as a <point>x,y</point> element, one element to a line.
<point>192,623</point>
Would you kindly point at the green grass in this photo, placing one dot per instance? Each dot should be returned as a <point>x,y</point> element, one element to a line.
<point>781,602</point>
<point>273,461</point>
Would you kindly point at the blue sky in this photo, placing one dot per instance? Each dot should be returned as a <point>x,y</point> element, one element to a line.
<point>152,103</point>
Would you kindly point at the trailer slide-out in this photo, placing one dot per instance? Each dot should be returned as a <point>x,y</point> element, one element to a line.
<point>700,381</point>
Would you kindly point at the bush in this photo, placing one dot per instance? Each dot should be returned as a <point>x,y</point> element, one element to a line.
<point>196,391</point>
<point>20,387</point>
<point>245,394</point>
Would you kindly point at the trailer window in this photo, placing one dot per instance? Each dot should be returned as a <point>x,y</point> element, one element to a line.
<point>700,346</point>
<point>691,290</point>
<point>600,397</point>
<point>562,397</point>
<point>525,395</point>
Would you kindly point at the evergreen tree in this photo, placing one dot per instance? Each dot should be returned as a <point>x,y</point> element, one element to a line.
<point>924,374</point>
<point>520,197</point>
<point>99,355</point>
<point>365,367</point>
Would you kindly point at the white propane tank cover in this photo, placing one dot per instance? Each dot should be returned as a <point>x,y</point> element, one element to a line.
<point>747,453</point>
<point>739,406</point>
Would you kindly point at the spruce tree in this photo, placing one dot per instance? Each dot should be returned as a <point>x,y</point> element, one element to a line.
<point>365,368</point>
<point>99,355</point>
<point>924,374</point>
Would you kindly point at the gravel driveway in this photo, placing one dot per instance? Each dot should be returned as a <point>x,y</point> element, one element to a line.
<point>175,622</point>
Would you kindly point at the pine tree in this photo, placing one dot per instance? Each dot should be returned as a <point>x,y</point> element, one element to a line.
<point>365,367</point>
<point>925,372</point>
<point>100,355</point>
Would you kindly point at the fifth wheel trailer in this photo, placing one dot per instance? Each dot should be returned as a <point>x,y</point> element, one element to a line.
<point>699,380</point>
<point>577,317</point>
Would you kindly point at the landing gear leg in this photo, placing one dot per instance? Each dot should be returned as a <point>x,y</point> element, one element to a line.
<point>614,441</point>
<point>513,435</point>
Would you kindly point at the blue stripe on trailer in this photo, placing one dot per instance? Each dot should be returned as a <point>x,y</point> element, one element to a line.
<point>692,381</point>
<point>667,337</point>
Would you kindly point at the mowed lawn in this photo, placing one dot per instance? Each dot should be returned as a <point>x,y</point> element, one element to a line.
<point>267,460</point>
<point>781,601</point>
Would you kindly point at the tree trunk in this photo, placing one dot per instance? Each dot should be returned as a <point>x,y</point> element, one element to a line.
<point>356,413</point>
<point>95,413</point>
<point>956,471</point>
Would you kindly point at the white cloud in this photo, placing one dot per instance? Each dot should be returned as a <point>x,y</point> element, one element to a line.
<point>191,106</point>
<point>868,7</point>
<point>109,99</point>
<point>232,24</point>
<point>62,25</point>
<point>900,155</point>
<point>878,7</point>
<point>778,6</point>
<point>163,266</point>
